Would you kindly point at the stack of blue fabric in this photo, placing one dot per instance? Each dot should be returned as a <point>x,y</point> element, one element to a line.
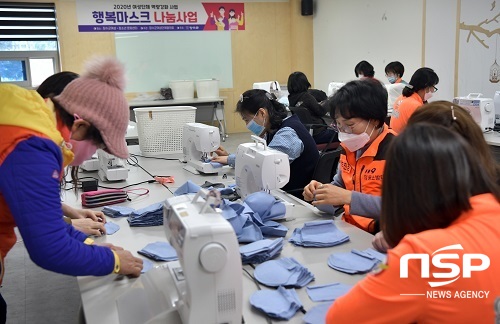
<point>322,233</point>
<point>356,261</point>
<point>281,304</point>
<point>151,215</point>
<point>159,251</point>
<point>283,272</point>
<point>254,218</point>
<point>117,211</point>
<point>328,292</point>
<point>260,251</point>
<point>188,187</point>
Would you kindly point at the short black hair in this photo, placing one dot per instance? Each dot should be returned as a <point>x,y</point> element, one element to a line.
<point>366,99</point>
<point>453,174</point>
<point>421,79</point>
<point>297,83</point>
<point>364,68</point>
<point>56,83</point>
<point>252,100</point>
<point>396,68</point>
<point>222,7</point>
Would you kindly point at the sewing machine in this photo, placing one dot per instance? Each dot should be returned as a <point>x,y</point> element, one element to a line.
<point>205,285</point>
<point>111,168</point>
<point>260,168</point>
<point>199,140</point>
<point>481,109</point>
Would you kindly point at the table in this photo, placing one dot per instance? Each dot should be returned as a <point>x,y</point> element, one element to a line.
<point>217,105</point>
<point>99,294</point>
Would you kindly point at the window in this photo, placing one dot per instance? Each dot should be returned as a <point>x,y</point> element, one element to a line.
<point>29,49</point>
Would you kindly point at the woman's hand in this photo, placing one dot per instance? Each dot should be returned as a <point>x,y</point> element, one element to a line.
<point>89,226</point>
<point>221,151</point>
<point>328,194</point>
<point>74,213</point>
<point>310,190</point>
<point>220,159</point>
<point>129,264</point>
<point>379,242</point>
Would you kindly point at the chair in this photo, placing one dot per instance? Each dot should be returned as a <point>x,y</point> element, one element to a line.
<point>327,166</point>
<point>305,118</point>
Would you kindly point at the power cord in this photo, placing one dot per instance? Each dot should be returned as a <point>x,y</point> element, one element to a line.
<point>152,157</point>
<point>256,284</point>
<point>134,161</point>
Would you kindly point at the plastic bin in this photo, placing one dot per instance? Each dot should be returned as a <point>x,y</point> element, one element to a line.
<point>207,88</point>
<point>182,89</point>
<point>160,128</point>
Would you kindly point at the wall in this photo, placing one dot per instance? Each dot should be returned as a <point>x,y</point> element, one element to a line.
<point>382,31</point>
<point>417,33</point>
<point>276,42</point>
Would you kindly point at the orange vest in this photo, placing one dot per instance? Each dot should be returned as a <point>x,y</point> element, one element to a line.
<point>365,175</point>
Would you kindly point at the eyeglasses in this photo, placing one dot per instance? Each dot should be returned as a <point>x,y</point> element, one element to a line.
<point>434,89</point>
<point>343,128</point>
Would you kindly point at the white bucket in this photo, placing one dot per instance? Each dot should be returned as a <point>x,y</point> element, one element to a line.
<point>182,89</point>
<point>207,88</point>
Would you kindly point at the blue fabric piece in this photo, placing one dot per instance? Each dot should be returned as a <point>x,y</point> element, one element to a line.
<point>279,304</point>
<point>351,263</point>
<point>260,251</point>
<point>159,251</point>
<point>271,228</point>
<point>188,187</point>
<point>117,211</point>
<point>250,233</point>
<point>247,222</point>
<point>318,234</point>
<point>283,272</point>
<point>146,265</point>
<point>151,215</point>
<point>111,228</point>
<point>29,183</point>
<point>266,206</point>
<point>329,292</point>
<point>216,165</point>
<point>371,254</point>
<point>317,314</point>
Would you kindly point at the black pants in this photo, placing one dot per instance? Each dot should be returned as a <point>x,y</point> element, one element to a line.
<point>3,310</point>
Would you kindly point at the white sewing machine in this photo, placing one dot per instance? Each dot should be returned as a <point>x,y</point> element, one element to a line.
<point>481,109</point>
<point>111,168</point>
<point>260,168</point>
<point>199,140</point>
<point>205,285</point>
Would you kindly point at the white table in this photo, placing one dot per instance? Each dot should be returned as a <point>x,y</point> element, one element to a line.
<point>99,294</point>
<point>217,105</point>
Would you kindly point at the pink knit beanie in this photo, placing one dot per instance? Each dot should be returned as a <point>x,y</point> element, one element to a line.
<point>97,97</point>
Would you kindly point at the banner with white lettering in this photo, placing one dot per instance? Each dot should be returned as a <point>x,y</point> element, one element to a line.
<point>134,16</point>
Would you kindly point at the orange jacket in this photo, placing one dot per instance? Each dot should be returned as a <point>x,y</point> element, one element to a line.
<point>404,107</point>
<point>365,175</point>
<point>387,298</point>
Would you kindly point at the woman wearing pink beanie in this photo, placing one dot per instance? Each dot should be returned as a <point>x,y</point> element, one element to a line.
<point>34,149</point>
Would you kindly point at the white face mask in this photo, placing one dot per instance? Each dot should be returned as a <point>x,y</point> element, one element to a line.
<point>354,142</point>
<point>428,95</point>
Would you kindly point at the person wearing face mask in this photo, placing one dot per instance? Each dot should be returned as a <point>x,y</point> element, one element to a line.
<point>360,108</point>
<point>421,88</point>
<point>394,72</point>
<point>267,118</point>
<point>85,220</point>
<point>34,149</point>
